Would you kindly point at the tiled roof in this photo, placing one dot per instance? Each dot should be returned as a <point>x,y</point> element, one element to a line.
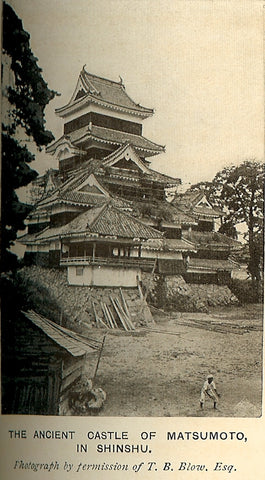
<point>47,234</point>
<point>27,238</point>
<point>191,197</point>
<point>40,237</point>
<point>105,92</point>
<point>88,166</point>
<point>127,152</point>
<point>188,202</point>
<point>162,177</point>
<point>107,220</point>
<point>67,193</point>
<point>211,239</point>
<point>169,245</point>
<point>181,217</point>
<point>112,92</point>
<point>108,136</point>
<point>75,344</point>
<point>83,198</point>
<point>209,264</point>
<point>168,213</point>
<point>207,211</point>
<point>115,137</point>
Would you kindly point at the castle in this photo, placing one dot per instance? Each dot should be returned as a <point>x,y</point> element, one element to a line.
<point>105,215</point>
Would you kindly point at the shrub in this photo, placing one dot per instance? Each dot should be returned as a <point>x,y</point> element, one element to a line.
<point>246,292</point>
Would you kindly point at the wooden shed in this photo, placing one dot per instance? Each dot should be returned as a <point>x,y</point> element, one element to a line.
<point>48,360</point>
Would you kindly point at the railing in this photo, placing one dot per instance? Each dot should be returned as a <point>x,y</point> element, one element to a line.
<point>111,261</point>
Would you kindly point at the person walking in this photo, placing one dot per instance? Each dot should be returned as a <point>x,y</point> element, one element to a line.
<point>209,390</point>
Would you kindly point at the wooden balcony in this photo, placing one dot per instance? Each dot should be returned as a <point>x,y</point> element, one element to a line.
<point>124,262</point>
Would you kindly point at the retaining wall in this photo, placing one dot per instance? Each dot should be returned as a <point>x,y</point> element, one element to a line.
<point>75,303</point>
<point>171,291</point>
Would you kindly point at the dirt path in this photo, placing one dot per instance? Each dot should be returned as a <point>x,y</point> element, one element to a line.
<point>151,374</point>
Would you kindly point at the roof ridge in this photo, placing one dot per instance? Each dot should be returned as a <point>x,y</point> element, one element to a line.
<point>97,98</point>
<point>101,209</point>
<point>119,84</point>
<point>137,104</point>
<point>101,78</point>
<point>87,83</point>
<point>117,152</point>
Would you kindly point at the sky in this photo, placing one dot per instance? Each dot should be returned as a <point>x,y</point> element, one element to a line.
<point>198,63</point>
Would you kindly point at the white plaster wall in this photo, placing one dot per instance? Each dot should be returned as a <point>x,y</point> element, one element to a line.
<point>43,248</point>
<point>55,245</point>
<point>102,276</point>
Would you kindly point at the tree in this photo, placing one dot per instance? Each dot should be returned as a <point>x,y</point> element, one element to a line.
<point>211,192</point>
<point>27,98</point>
<point>205,186</point>
<point>239,189</point>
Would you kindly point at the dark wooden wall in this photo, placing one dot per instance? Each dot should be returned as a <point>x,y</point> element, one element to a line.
<point>103,121</point>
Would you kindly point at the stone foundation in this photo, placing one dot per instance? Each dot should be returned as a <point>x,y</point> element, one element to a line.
<point>172,292</point>
<point>75,303</point>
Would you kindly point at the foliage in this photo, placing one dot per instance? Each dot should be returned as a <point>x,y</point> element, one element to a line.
<point>35,296</point>
<point>27,98</point>
<point>238,190</point>
<point>159,211</point>
<point>229,229</point>
<point>207,188</point>
<point>244,291</point>
<point>16,173</point>
<point>30,95</point>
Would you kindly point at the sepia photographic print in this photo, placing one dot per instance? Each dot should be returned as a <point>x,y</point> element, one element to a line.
<point>132,224</point>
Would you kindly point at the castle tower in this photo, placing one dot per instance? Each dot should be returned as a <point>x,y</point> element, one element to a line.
<point>99,119</point>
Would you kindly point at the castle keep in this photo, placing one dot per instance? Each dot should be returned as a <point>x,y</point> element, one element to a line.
<point>105,215</point>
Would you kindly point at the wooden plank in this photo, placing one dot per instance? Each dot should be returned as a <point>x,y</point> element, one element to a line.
<point>99,357</point>
<point>99,321</point>
<point>92,343</point>
<point>95,313</point>
<point>144,308</point>
<point>123,314</point>
<point>108,316</point>
<point>127,319</point>
<point>108,320</point>
<point>118,313</point>
<point>152,330</point>
<point>103,323</point>
<point>126,309</point>
<point>68,370</point>
<point>105,316</point>
<point>147,313</point>
<point>139,288</point>
<point>71,378</point>
<point>111,316</point>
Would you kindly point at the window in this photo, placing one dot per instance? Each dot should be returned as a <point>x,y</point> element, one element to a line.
<point>79,271</point>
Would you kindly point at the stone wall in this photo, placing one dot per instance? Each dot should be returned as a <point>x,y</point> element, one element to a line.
<point>75,303</point>
<point>172,292</point>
